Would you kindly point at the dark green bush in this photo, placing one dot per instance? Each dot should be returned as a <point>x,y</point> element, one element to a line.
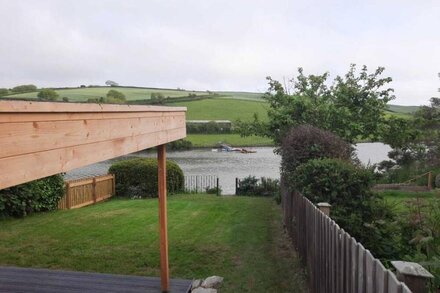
<point>35,196</point>
<point>179,145</point>
<point>213,190</point>
<point>306,142</point>
<point>359,211</point>
<point>137,178</point>
<point>258,187</point>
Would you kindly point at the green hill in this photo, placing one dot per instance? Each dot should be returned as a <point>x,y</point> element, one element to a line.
<point>131,93</point>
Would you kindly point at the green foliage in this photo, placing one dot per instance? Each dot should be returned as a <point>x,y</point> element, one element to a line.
<point>115,97</point>
<point>305,142</point>
<point>137,178</point>
<point>360,212</point>
<point>252,186</point>
<point>157,98</point>
<point>47,95</point>
<point>211,127</point>
<point>3,92</point>
<point>65,99</point>
<point>334,181</point>
<point>353,107</point>
<point>24,88</point>
<point>214,190</point>
<point>421,233</point>
<point>35,196</point>
<point>179,145</point>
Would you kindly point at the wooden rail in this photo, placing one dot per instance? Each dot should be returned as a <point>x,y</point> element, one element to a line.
<point>335,261</point>
<point>87,191</point>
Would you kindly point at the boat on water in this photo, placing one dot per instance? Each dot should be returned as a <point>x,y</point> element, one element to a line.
<point>227,148</point>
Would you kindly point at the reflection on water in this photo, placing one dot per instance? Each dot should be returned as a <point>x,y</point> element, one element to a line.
<point>228,166</point>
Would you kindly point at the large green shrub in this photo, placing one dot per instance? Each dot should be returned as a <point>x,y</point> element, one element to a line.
<point>359,211</point>
<point>334,181</point>
<point>137,178</point>
<point>306,142</point>
<point>34,196</point>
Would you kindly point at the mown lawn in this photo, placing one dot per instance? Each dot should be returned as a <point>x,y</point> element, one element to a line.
<point>239,238</point>
<point>212,140</point>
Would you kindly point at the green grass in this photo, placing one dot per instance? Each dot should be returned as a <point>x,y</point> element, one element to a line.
<point>211,140</point>
<point>400,199</point>
<point>239,238</point>
<point>224,109</point>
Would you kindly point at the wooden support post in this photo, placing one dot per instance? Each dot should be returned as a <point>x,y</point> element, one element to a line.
<point>162,183</point>
<point>94,190</point>
<point>68,199</point>
<point>114,184</point>
<point>429,180</point>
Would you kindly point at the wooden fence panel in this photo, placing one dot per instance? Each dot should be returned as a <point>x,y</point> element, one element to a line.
<point>335,261</point>
<point>83,192</point>
<point>381,275</point>
<point>370,272</point>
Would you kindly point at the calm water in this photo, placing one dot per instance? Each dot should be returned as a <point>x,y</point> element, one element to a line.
<point>228,166</point>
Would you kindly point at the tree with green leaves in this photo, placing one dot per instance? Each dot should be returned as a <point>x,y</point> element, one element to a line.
<point>48,95</point>
<point>116,97</point>
<point>3,92</point>
<point>353,106</point>
<point>26,88</point>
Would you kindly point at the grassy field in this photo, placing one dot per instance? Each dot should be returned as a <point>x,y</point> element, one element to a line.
<point>399,199</point>
<point>224,109</point>
<point>82,94</point>
<point>211,140</point>
<point>239,238</point>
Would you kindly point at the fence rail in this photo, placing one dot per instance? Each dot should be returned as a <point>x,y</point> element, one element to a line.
<point>335,261</point>
<point>200,183</point>
<point>87,191</point>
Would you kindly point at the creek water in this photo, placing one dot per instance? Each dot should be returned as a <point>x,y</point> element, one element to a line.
<point>228,166</point>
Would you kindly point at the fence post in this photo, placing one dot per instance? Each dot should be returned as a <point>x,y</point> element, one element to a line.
<point>114,184</point>
<point>324,207</point>
<point>68,203</point>
<point>429,180</point>
<point>217,188</point>
<point>413,275</point>
<point>236,185</point>
<point>94,190</point>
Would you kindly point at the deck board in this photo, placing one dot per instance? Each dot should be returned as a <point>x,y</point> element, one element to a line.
<point>14,279</point>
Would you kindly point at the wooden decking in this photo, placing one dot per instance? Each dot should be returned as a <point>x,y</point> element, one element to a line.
<point>13,279</point>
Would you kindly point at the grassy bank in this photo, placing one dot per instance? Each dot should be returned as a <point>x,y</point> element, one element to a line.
<point>239,238</point>
<point>224,109</point>
<point>212,140</point>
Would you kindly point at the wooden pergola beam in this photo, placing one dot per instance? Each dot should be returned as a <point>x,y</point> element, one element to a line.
<point>39,139</point>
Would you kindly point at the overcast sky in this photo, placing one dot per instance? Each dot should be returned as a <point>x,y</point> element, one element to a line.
<point>218,45</point>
